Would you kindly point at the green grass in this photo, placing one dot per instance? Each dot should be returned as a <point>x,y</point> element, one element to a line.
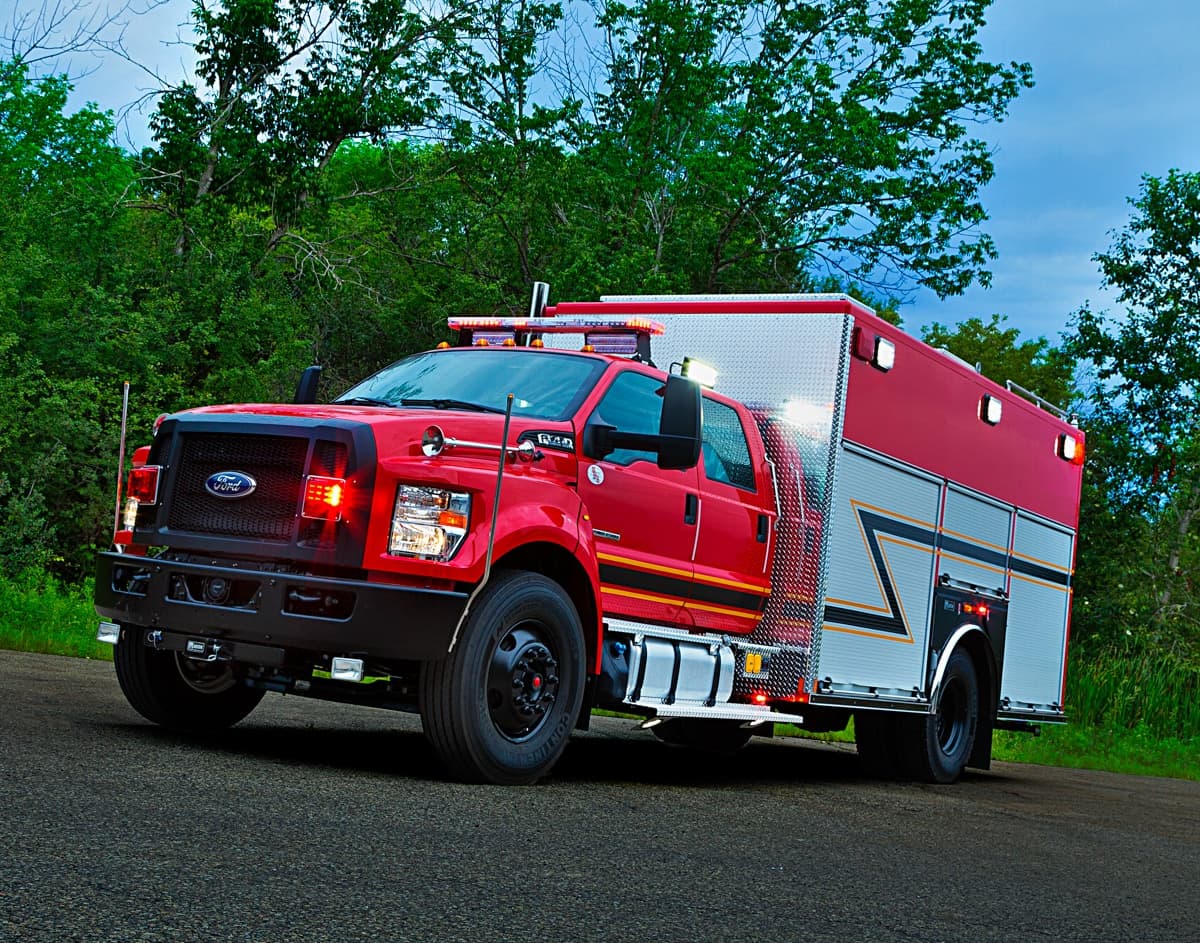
<point>1139,751</point>
<point>1131,689</point>
<point>39,615</point>
<point>1131,712</point>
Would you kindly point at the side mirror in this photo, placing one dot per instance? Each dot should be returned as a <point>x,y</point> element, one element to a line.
<point>306,389</point>
<point>679,427</point>
<point>677,443</point>
<point>598,440</point>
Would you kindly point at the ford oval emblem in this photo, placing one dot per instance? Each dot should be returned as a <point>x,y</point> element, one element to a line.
<point>230,484</point>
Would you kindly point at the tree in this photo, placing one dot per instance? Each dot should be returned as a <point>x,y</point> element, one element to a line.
<point>62,332</point>
<point>766,139</point>
<point>285,83</point>
<point>1147,369</point>
<point>43,34</point>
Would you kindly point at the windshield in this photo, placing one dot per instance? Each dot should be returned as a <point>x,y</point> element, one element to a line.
<point>545,385</point>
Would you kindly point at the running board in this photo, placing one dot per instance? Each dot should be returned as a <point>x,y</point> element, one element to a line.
<point>747,712</point>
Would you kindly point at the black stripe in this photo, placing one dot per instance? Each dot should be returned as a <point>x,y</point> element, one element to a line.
<point>892,623</point>
<point>679,587</point>
<point>706,592</point>
<point>1040,572</point>
<point>962,548</point>
<point>639,579</point>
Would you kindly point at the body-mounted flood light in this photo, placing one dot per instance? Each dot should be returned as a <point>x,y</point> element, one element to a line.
<point>1070,449</point>
<point>703,373</point>
<point>884,355</point>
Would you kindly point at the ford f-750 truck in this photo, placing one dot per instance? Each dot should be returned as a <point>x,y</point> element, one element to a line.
<point>569,511</point>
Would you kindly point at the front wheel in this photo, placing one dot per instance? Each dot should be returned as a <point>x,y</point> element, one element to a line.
<point>501,706</point>
<point>175,692</point>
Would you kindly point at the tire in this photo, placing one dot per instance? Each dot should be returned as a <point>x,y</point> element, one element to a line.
<point>177,693</point>
<point>714,736</point>
<point>877,737</point>
<point>937,746</point>
<point>501,706</point>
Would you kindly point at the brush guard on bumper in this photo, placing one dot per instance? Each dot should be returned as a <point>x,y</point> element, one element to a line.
<point>281,610</point>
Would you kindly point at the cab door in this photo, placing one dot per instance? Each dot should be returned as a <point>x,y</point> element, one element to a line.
<point>644,518</point>
<point>731,578</point>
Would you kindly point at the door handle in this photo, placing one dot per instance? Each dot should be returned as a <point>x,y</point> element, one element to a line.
<point>691,508</point>
<point>764,525</point>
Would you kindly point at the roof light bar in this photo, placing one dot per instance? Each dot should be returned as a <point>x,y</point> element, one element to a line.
<point>559,325</point>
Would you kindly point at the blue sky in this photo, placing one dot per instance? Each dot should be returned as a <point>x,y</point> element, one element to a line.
<point>1117,95</point>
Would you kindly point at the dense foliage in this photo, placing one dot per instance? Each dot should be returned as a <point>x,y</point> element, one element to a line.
<point>1144,490</point>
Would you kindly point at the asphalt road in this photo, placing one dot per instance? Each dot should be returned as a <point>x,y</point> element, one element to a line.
<point>313,821</point>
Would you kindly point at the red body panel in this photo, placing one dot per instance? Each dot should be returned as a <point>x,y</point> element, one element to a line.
<point>925,411</point>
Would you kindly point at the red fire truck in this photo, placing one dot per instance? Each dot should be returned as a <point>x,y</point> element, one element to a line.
<point>716,513</point>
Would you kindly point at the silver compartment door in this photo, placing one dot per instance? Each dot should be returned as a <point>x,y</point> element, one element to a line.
<point>880,579</point>
<point>1040,600</point>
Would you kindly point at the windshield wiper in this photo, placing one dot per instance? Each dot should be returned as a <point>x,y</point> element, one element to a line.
<point>363,401</point>
<point>452,404</point>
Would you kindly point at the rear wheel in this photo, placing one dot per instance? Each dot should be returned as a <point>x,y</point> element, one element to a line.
<point>939,744</point>
<point>176,692</point>
<point>501,706</point>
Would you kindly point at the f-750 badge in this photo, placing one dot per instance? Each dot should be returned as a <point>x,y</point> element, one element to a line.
<point>560,441</point>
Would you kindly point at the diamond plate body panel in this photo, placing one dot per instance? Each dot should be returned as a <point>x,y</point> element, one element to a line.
<point>791,370</point>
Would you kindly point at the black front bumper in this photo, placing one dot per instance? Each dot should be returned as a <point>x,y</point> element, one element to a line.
<point>376,620</point>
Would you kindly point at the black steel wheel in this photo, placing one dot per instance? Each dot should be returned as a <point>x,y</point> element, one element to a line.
<point>501,706</point>
<point>939,744</point>
<point>176,692</point>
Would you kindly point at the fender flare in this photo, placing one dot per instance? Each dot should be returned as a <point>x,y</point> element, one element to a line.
<point>957,637</point>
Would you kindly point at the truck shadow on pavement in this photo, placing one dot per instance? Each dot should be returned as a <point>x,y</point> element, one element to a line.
<point>612,755</point>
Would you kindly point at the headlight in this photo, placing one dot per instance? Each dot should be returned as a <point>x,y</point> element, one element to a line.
<point>428,522</point>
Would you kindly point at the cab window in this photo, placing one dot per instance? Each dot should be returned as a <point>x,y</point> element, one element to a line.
<point>632,404</point>
<point>725,452</point>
